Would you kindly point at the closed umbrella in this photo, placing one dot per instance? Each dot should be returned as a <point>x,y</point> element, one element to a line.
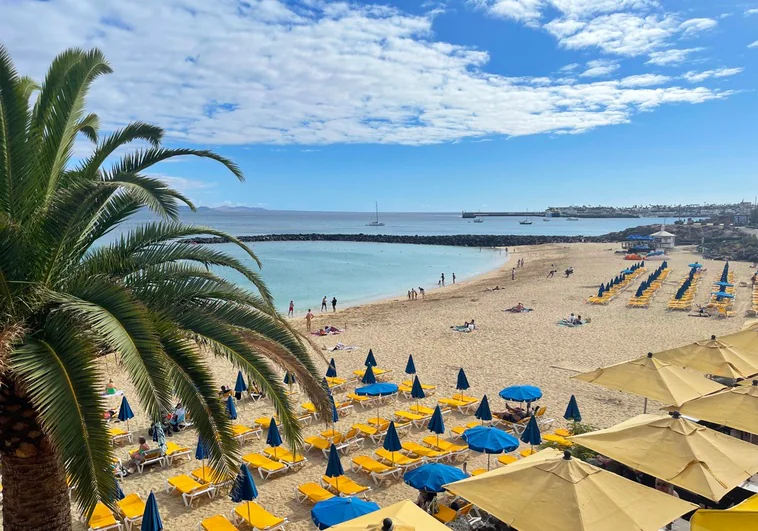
<point>240,386</point>
<point>289,379</point>
<point>483,412</point>
<point>273,438</point>
<point>231,409</point>
<point>410,367</point>
<point>678,451</point>
<point>417,391</point>
<point>368,376</point>
<point>713,356</point>
<point>370,359</point>
<point>600,291</point>
<point>436,424</point>
<point>334,465</point>
<point>462,383</point>
<point>531,435</point>
<point>572,410</point>
<point>202,453</point>
<point>640,291</point>
<point>552,490</point>
<point>431,477</point>
<point>392,441</point>
<point>489,440</point>
<point>244,488</point>
<point>335,415</point>
<point>125,412</point>
<point>650,377</point>
<point>151,519</point>
<point>331,371</point>
<point>119,491</point>
<point>334,511</point>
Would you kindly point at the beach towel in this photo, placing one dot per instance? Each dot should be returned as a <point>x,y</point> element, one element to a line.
<point>566,322</point>
<point>340,346</point>
<point>113,393</point>
<point>514,310</point>
<point>463,329</point>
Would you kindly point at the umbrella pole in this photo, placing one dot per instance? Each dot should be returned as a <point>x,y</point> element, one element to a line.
<point>127,424</point>
<point>644,406</point>
<point>203,469</point>
<point>488,462</point>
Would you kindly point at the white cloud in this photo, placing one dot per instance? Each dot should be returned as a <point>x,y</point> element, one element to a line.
<point>332,73</point>
<point>600,68</point>
<point>569,68</point>
<point>697,77</point>
<point>694,26</point>
<point>644,80</point>
<point>518,10</point>
<point>670,57</point>
<point>530,10</point>
<point>753,44</point>
<point>562,28</point>
<point>582,8</point>
<point>753,11</point>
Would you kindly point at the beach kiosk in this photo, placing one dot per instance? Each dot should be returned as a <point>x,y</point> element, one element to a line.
<point>636,243</point>
<point>663,239</point>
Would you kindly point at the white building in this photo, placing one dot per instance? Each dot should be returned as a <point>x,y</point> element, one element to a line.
<point>663,239</point>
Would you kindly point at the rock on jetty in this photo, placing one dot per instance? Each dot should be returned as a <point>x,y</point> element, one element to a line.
<point>459,240</point>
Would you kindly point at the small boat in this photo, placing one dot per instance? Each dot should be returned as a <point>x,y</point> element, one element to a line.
<point>525,222</point>
<point>572,219</point>
<point>545,219</point>
<point>376,223</point>
<point>478,220</point>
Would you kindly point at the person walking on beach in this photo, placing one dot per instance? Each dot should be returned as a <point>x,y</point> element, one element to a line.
<point>308,319</point>
<point>334,304</point>
<point>421,291</point>
<point>323,304</point>
<point>551,274</point>
<point>453,278</point>
<point>291,311</point>
<point>442,279</point>
<point>513,274</point>
<point>409,294</point>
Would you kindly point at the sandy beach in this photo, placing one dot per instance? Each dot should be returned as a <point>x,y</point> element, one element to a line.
<point>507,349</point>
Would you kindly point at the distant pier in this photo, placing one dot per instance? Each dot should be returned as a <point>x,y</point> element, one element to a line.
<point>543,214</point>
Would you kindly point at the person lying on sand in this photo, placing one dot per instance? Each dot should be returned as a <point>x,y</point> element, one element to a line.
<point>701,312</point>
<point>519,308</point>
<point>511,414</point>
<point>573,321</point>
<point>341,346</point>
<point>496,288</point>
<point>467,327</point>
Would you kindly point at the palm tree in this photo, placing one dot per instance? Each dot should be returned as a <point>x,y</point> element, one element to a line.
<point>68,297</point>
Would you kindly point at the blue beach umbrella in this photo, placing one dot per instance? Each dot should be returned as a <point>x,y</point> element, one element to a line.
<point>489,440</point>
<point>410,367</point>
<point>572,410</point>
<point>531,435</point>
<point>289,379</point>
<point>125,412</point>
<point>696,265</point>
<point>370,359</point>
<point>417,391</point>
<point>151,519</point>
<point>436,424</point>
<point>334,465</point>
<point>392,441</point>
<point>331,372</point>
<point>377,389</point>
<point>431,477</point>
<point>723,294</point>
<point>640,290</point>
<point>368,376</point>
<point>273,438</point>
<point>119,491</point>
<point>726,284</point>
<point>483,412</point>
<point>231,409</point>
<point>240,386</point>
<point>521,393</point>
<point>244,488</point>
<point>337,510</point>
<point>462,383</point>
<point>600,291</point>
<point>335,415</point>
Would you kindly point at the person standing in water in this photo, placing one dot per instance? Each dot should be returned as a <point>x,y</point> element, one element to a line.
<point>453,278</point>
<point>334,304</point>
<point>513,274</point>
<point>308,319</point>
<point>324,307</point>
<point>291,311</point>
<point>442,278</point>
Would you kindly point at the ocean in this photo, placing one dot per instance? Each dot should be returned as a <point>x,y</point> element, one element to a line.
<point>354,273</point>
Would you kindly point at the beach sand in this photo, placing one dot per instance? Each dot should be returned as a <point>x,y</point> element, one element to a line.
<point>507,349</point>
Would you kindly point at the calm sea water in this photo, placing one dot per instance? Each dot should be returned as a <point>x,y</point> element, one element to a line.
<point>359,272</point>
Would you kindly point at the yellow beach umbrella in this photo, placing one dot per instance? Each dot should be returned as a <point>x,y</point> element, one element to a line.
<point>552,490</point>
<point>652,378</point>
<point>741,517</point>
<point>736,407</point>
<point>405,516</point>
<point>677,450</point>
<point>713,356</point>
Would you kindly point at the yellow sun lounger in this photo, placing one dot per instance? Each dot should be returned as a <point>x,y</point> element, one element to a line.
<point>465,398</point>
<point>423,410</point>
<point>458,430</point>
<point>309,407</point>
<point>312,492</point>
<point>377,372</point>
<point>217,523</point>
<point>206,474</point>
<point>266,467</point>
<point>398,459</point>
<point>415,448</point>
<point>455,450</point>
<point>285,456</point>
<point>175,451</point>
<point>243,433</point>
<point>131,509</point>
<point>463,407</point>
<point>561,441</point>
<point>364,401</point>
<point>425,387</point>
<point>446,515</point>
<point>257,517</point>
<point>415,418</point>
<point>506,459</point>
<point>319,443</point>
<point>102,518</point>
<point>334,382</point>
<point>376,470</point>
<point>344,486</point>
<point>189,488</point>
<point>118,435</point>
<point>375,434</point>
<point>264,422</point>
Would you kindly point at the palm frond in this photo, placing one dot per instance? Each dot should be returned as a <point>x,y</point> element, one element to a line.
<point>132,132</point>
<point>153,193</point>
<point>88,126</point>
<point>143,159</point>
<point>57,372</point>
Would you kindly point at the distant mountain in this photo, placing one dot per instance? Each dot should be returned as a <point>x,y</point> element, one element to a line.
<point>225,209</point>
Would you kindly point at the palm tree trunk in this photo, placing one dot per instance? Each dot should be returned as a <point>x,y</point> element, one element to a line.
<point>35,494</point>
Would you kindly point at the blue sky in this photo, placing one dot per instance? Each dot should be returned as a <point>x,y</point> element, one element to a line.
<point>436,106</point>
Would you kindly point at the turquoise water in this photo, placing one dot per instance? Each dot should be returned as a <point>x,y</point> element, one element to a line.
<point>357,272</point>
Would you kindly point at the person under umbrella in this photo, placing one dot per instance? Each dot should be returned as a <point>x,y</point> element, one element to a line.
<point>531,435</point>
<point>489,440</point>
<point>410,367</point>
<point>392,441</point>
<point>244,488</point>
<point>483,412</point>
<point>231,409</point>
<point>151,519</point>
<point>336,510</point>
<point>368,376</point>
<point>239,386</point>
<point>125,412</point>
<point>436,424</point>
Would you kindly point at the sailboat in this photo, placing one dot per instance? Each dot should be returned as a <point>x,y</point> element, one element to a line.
<point>376,222</point>
<point>478,220</point>
<point>525,221</point>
